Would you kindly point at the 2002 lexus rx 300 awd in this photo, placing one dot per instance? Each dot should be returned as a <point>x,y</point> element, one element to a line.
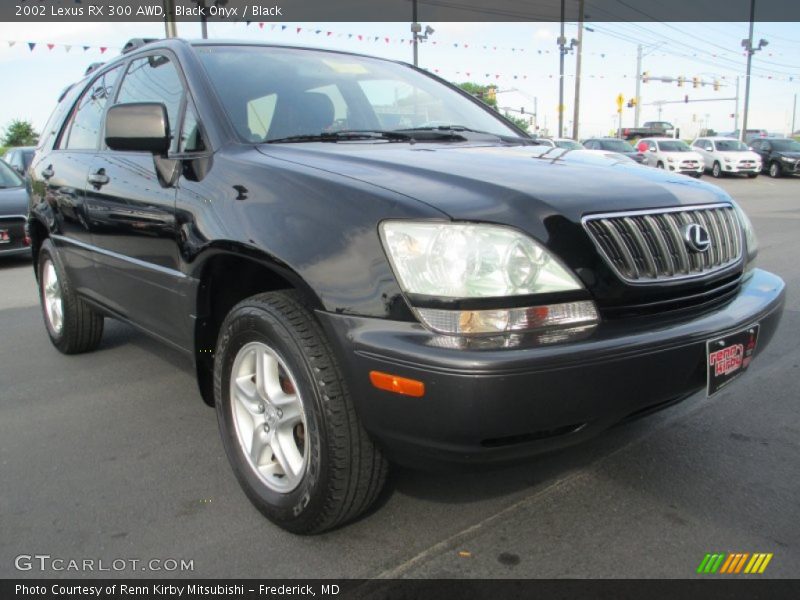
<point>368,264</point>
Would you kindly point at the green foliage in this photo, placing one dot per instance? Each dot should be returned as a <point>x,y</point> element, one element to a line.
<point>485,93</point>
<point>20,133</point>
<point>518,121</point>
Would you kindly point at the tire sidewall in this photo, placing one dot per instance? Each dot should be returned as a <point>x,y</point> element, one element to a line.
<point>774,170</point>
<point>291,510</point>
<point>716,170</point>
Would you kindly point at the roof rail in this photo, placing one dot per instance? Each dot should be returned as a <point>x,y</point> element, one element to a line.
<point>93,67</point>
<point>136,43</point>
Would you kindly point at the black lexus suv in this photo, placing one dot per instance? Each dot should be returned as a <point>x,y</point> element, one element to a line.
<point>367,264</point>
<point>779,156</point>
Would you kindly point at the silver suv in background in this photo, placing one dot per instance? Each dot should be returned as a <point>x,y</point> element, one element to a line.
<point>671,155</point>
<point>723,155</point>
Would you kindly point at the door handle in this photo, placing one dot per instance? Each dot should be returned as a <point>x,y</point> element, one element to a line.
<point>98,178</point>
<point>48,172</point>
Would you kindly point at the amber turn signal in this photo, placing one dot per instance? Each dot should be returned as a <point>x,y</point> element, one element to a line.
<point>396,384</point>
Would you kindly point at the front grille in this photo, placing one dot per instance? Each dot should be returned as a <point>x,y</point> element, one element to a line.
<point>649,246</point>
<point>691,164</point>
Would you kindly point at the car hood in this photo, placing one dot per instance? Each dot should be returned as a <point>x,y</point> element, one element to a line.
<point>736,156</point>
<point>13,201</point>
<point>504,184</point>
<point>680,156</point>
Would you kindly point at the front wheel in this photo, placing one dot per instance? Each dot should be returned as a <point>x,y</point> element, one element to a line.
<point>73,326</point>
<point>716,170</point>
<point>775,170</point>
<point>287,420</point>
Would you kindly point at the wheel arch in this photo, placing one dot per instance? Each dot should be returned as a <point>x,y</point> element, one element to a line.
<point>227,273</point>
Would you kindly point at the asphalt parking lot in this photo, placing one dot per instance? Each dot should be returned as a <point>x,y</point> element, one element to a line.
<point>112,455</point>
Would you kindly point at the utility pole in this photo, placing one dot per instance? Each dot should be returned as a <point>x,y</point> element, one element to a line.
<point>577,109</point>
<point>562,42</point>
<point>415,29</point>
<point>170,27</point>
<point>747,44</point>
<point>736,109</point>
<point>638,84</point>
<point>794,113</point>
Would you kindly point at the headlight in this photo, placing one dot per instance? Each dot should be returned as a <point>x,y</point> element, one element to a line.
<point>727,160</point>
<point>787,159</point>
<point>672,160</point>
<point>750,237</point>
<point>465,260</point>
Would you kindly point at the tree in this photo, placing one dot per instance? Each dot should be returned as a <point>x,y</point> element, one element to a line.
<point>488,95</point>
<point>20,133</point>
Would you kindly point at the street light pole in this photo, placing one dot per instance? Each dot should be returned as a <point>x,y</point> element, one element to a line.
<point>747,44</point>
<point>415,29</point>
<point>170,27</point>
<point>562,42</point>
<point>794,113</point>
<point>576,110</point>
<point>638,84</point>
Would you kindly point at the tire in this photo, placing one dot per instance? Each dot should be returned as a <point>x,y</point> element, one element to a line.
<point>775,170</point>
<point>716,170</point>
<point>333,472</point>
<point>752,175</point>
<point>72,325</point>
<point>659,165</point>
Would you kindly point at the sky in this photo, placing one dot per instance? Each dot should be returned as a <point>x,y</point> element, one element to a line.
<point>520,58</point>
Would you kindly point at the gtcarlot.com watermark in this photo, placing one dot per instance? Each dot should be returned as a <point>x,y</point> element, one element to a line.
<point>48,563</point>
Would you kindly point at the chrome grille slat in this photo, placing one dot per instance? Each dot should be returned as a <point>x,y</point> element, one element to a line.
<point>649,246</point>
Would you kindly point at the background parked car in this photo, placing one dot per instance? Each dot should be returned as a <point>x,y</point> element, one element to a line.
<point>671,155</point>
<point>614,145</point>
<point>649,129</point>
<point>749,134</point>
<point>13,208</point>
<point>20,158</point>
<point>727,155</point>
<point>568,144</point>
<point>779,156</point>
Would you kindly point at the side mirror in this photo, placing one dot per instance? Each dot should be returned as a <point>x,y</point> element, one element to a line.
<point>652,148</point>
<point>138,127</point>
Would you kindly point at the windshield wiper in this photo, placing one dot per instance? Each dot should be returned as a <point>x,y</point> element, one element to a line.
<point>345,135</point>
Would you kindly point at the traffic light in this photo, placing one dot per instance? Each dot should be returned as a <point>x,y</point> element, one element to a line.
<point>631,102</point>
<point>695,82</point>
<point>645,76</point>
<point>686,98</point>
<point>681,79</point>
<point>522,110</point>
<point>716,85</point>
<point>491,94</point>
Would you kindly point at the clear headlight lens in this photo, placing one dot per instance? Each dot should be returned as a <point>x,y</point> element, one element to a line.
<point>466,260</point>
<point>787,159</point>
<point>727,160</point>
<point>672,160</point>
<point>749,236</point>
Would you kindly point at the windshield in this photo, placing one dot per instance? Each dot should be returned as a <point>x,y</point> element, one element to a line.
<point>785,145</point>
<point>8,176</point>
<point>273,93</point>
<point>617,146</point>
<point>673,146</point>
<point>569,144</point>
<point>731,146</point>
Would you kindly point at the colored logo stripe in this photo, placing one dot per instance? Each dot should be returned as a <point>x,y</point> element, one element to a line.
<point>734,563</point>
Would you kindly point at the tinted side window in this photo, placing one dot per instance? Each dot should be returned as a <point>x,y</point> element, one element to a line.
<point>154,79</point>
<point>84,130</point>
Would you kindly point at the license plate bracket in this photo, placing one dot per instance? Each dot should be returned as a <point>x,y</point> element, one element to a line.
<point>728,357</point>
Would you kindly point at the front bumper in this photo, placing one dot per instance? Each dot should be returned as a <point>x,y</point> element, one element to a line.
<point>504,403</point>
<point>739,168</point>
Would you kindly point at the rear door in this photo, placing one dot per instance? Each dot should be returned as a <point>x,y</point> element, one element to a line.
<point>130,198</point>
<point>60,174</point>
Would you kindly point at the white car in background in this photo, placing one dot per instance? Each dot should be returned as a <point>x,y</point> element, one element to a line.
<point>671,155</point>
<point>568,144</point>
<point>726,155</point>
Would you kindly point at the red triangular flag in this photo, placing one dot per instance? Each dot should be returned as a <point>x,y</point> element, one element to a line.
<point>261,26</point>
<point>103,49</point>
<point>50,46</point>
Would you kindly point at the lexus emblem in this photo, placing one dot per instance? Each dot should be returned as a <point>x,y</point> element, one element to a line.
<point>696,237</point>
